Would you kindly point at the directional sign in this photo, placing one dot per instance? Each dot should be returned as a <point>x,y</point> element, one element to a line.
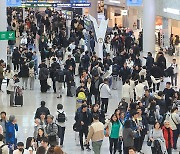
<point>7,35</point>
<point>13,3</point>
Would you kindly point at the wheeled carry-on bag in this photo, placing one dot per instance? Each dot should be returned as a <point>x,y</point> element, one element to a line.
<point>18,96</point>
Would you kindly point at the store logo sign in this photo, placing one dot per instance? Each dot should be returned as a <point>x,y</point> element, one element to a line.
<point>172,11</point>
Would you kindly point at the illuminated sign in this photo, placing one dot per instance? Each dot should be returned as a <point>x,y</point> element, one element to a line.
<point>13,3</point>
<point>172,11</point>
<point>134,2</point>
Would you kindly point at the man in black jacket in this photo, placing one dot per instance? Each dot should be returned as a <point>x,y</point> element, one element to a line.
<point>83,118</point>
<point>41,110</point>
<point>69,80</point>
<point>125,72</point>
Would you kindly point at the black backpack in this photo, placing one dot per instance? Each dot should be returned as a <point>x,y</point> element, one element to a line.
<point>151,118</point>
<point>60,76</point>
<point>1,148</point>
<point>94,71</point>
<point>61,117</point>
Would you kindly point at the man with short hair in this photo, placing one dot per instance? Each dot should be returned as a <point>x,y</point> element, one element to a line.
<point>132,150</point>
<point>61,123</point>
<point>41,110</point>
<point>51,130</point>
<point>175,67</point>
<point>105,93</point>
<point>96,134</point>
<point>20,149</point>
<point>83,120</point>
<point>45,143</point>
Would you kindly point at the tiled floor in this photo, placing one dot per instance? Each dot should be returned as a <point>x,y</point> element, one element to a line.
<point>32,100</point>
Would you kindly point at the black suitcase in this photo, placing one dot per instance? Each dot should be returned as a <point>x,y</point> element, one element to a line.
<point>19,100</point>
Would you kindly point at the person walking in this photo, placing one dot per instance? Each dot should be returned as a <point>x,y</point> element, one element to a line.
<point>51,130</point>
<point>168,136</point>
<point>61,123</point>
<point>174,121</point>
<point>13,83</point>
<point>157,138</point>
<point>105,93</point>
<point>96,134</point>
<point>128,137</point>
<point>11,131</point>
<point>115,132</point>
<point>59,80</point>
<point>175,67</point>
<point>31,77</point>
<point>83,119</point>
<point>43,76</point>
<point>69,80</point>
<point>1,73</point>
<point>24,74</point>
<point>41,110</point>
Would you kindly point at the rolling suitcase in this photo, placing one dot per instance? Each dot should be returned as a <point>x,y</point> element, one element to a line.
<point>19,100</point>
<point>18,96</point>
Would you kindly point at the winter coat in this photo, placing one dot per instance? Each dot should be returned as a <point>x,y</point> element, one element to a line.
<point>165,134</point>
<point>10,133</point>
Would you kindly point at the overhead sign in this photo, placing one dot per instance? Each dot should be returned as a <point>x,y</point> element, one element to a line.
<point>7,35</point>
<point>13,3</point>
<point>134,2</point>
<point>46,4</point>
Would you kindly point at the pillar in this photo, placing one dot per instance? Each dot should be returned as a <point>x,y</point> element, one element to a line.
<point>166,31</point>
<point>149,26</point>
<point>3,27</point>
<point>93,8</point>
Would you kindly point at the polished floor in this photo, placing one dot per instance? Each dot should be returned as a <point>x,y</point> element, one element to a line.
<point>32,99</point>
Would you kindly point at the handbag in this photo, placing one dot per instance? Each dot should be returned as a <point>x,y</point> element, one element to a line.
<point>149,142</point>
<point>106,132</point>
<point>77,127</point>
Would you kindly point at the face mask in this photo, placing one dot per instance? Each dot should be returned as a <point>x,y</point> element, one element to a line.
<point>21,149</point>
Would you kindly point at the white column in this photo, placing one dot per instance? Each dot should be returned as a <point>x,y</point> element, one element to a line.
<point>166,31</point>
<point>3,27</point>
<point>149,26</point>
<point>93,8</point>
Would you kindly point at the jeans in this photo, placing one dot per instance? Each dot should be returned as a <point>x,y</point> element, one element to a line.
<point>1,83</point>
<point>24,82</point>
<point>175,138</point>
<point>104,104</point>
<point>31,82</point>
<point>84,131</point>
<point>114,82</point>
<point>113,143</point>
<point>59,88</point>
<point>97,147</point>
<point>97,98</point>
<point>137,144</point>
<point>61,132</point>
<point>69,89</point>
<point>174,80</point>
<point>11,98</point>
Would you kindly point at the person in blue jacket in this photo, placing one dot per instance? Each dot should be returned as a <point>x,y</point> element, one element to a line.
<point>11,130</point>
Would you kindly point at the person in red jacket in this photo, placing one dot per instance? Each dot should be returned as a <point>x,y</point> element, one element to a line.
<point>168,136</point>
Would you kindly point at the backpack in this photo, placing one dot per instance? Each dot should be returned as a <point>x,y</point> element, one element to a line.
<point>115,69</point>
<point>1,148</point>
<point>81,96</point>
<point>61,117</point>
<point>151,118</point>
<point>94,72</point>
<point>60,76</point>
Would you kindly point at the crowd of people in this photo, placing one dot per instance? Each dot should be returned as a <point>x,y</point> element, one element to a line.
<point>143,109</point>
